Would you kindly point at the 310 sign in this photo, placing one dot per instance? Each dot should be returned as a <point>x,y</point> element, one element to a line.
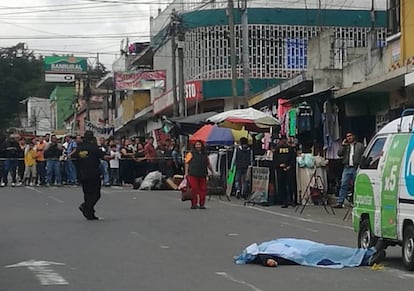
<point>193,90</point>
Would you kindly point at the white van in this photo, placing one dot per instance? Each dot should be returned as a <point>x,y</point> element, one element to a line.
<point>384,189</point>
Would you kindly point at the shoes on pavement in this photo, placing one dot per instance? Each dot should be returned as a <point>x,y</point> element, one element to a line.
<point>3,184</point>
<point>193,207</point>
<point>202,207</point>
<point>376,258</point>
<point>13,184</point>
<point>93,218</point>
<point>338,206</point>
<point>82,209</point>
<point>284,206</point>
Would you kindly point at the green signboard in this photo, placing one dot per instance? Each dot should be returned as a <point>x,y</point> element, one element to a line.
<point>65,65</point>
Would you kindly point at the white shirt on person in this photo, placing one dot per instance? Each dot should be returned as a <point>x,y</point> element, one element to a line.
<point>351,155</point>
<point>114,162</point>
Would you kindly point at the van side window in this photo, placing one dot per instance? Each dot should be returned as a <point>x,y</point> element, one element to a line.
<point>371,160</point>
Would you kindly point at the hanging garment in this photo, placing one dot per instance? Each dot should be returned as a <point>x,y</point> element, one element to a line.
<point>330,124</point>
<point>304,117</point>
<point>332,151</point>
<point>282,109</point>
<point>292,122</point>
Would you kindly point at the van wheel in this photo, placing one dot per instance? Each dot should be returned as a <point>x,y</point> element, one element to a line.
<point>408,248</point>
<point>366,238</point>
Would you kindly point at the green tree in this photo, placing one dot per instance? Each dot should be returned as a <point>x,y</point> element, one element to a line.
<point>21,76</point>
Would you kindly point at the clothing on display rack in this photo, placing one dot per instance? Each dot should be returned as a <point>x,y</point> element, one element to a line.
<point>330,124</point>
<point>304,117</point>
<point>282,109</point>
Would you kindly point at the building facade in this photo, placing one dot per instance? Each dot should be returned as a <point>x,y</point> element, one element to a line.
<point>277,45</point>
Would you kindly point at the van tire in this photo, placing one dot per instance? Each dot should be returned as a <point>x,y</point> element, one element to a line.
<point>408,248</point>
<point>366,238</point>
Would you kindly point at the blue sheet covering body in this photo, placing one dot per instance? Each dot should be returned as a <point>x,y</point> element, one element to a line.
<point>308,253</point>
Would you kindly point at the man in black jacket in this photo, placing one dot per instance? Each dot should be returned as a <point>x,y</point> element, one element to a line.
<point>88,157</point>
<point>244,159</point>
<point>283,160</point>
<point>10,152</point>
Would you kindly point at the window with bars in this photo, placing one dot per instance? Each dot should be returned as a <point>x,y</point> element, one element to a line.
<point>394,18</point>
<point>275,51</point>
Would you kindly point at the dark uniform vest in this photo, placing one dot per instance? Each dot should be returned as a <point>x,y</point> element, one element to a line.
<point>197,167</point>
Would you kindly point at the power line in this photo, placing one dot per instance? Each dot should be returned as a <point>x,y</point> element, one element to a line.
<point>73,37</point>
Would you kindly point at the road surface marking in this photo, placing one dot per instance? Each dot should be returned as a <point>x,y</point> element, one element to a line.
<point>42,271</point>
<point>227,276</point>
<point>34,189</point>
<point>56,199</point>
<point>287,215</point>
<point>299,226</point>
<point>400,274</point>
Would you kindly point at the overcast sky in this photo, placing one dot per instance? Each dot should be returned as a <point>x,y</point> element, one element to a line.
<point>85,27</point>
<point>81,27</point>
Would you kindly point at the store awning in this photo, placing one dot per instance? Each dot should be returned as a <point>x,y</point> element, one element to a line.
<point>313,96</point>
<point>186,125</point>
<point>301,84</point>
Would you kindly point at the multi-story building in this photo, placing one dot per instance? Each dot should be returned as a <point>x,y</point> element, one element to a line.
<point>278,32</point>
<point>38,115</point>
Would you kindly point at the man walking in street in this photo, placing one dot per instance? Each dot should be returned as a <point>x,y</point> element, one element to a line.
<point>351,152</point>
<point>89,157</point>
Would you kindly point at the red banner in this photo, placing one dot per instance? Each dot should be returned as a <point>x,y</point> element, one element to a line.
<point>139,80</point>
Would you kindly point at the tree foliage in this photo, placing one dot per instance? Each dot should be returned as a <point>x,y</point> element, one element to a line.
<point>21,76</point>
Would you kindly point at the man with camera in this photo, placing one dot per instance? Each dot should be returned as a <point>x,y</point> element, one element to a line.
<point>351,152</point>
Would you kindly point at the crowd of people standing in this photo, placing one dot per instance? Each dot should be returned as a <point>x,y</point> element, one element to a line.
<point>49,160</point>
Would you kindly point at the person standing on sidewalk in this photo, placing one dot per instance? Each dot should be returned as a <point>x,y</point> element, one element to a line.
<point>10,151</point>
<point>20,162</point>
<point>284,159</point>
<point>196,165</point>
<point>30,165</point>
<point>104,164</point>
<point>53,152</point>
<point>70,169</point>
<point>244,160</point>
<point>41,161</point>
<point>88,161</point>
<point>351,152</point>
<point>151,155</point>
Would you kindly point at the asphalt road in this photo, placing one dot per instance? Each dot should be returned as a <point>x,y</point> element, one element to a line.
<point>153,241</point>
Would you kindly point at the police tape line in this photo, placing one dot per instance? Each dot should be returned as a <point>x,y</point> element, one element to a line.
<point>72,159</point>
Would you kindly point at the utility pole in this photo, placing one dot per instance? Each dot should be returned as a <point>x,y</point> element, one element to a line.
<point>371,37</point>
<point>230,8</point>
<point>87,94</point>
<point>246,68</point>
<point>181,84</point>
<point>173,63</point>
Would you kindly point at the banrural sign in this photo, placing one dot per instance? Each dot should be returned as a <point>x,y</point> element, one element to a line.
<point>65,65</point>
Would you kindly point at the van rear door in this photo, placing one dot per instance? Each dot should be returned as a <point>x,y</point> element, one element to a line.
<point>391,182</point>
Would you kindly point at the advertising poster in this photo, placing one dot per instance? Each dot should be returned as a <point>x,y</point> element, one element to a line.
<point>260,184</point>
